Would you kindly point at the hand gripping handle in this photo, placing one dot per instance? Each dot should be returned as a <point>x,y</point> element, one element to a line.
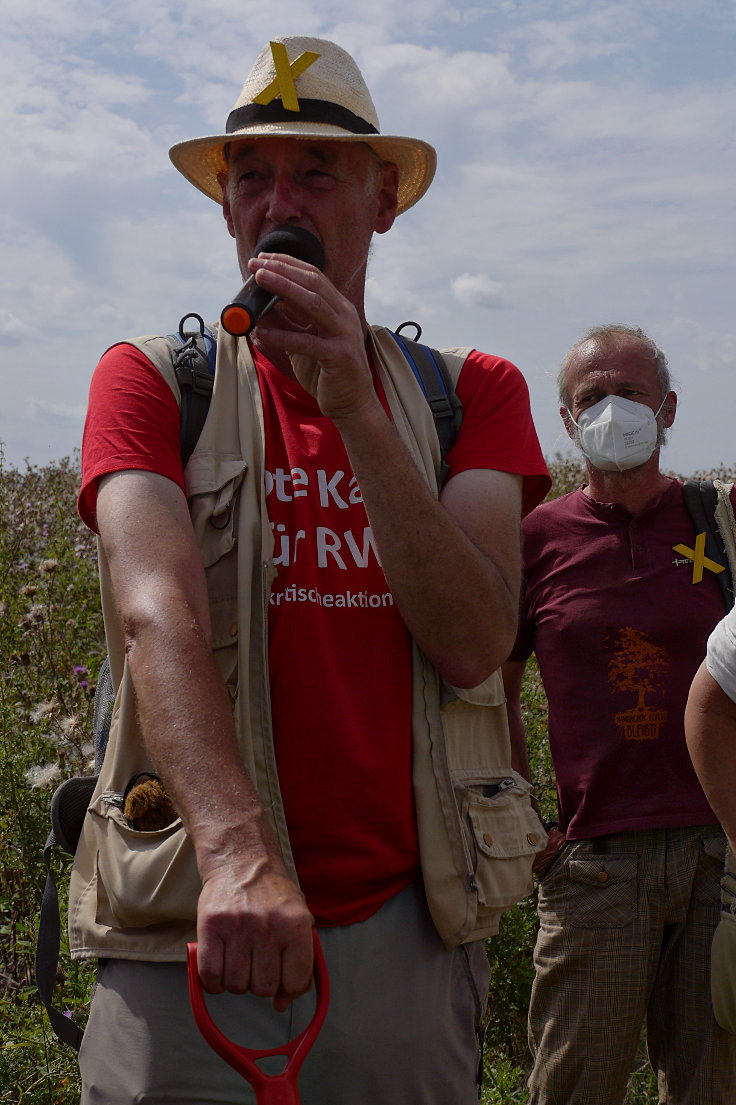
<point>271,1089</point>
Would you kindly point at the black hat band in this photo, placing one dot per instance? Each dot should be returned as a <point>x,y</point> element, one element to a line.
<point>312,111</point>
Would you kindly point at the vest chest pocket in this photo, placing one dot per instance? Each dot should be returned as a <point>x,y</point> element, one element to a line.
<point>503,832</point>
<point>214,499</point>
<point>213,493</point>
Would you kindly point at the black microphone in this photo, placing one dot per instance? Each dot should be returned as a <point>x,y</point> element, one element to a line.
<point>252,302</point>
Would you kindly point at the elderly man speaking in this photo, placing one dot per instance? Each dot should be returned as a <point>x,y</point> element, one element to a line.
<point>304,630</point>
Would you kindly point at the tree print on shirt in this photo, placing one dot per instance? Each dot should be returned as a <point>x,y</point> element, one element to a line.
<point>639,666</point>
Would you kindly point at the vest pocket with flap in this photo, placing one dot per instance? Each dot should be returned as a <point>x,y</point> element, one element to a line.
<point>134,892</point>
<point>214,501</point>
<point>503,833</point>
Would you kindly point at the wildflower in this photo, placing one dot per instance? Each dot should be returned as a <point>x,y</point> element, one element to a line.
<point>48,566</point>
<point>42,776</point>
<point>44,709</point>
<point>79,670</point>
<point>34,616</point>
<point>69,724</point>
<point>29,590</point>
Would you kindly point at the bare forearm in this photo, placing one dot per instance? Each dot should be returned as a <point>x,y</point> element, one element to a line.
<point>517,733</point>
<point>458,604</point>
<point>188,726</point>
<point>253,925</point>
<point>710,729</point>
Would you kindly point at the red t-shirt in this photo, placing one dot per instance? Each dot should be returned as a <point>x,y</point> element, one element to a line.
<point>339,654</point>
<point>619,630</point>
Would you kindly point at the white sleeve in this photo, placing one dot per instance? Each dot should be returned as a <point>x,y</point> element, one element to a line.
<point>720,658</point>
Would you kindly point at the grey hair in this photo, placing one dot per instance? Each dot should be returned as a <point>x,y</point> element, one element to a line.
<point>607,335</point>
<point>374,176</point>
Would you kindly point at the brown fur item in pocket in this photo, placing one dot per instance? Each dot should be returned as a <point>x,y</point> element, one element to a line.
<point>147,805</point>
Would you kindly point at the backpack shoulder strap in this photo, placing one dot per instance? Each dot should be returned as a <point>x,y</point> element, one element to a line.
<point>726,523</point>
<point>68,809</point>
<point>430,369</point>
<point>194,357</point>
<point>69,804</point>
<point>702,499</point>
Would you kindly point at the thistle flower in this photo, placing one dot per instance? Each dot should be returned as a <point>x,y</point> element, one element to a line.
<point>48,566</point>
<point>42,710</point>
<point>35,615</point>
<point>42,775</point>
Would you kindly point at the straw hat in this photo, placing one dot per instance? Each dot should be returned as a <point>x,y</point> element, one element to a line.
<point>306,88</point>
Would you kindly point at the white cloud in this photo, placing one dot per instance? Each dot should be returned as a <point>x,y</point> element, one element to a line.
<point>478,290</point>
<point>12,330</point>
<point>591,33</point>
<point>712,351</point>
<point>40,409</point>
<point>585,168</point>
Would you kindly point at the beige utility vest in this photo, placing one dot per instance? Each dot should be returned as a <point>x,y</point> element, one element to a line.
<point>134,894</point>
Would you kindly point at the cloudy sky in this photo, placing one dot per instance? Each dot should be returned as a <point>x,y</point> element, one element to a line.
<point>586,175</point>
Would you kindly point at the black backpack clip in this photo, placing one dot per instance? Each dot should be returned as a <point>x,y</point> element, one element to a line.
<point>430,369</point>
<point>194,365</point>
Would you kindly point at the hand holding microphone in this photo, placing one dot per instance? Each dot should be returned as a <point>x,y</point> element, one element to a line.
<point>251,303</point>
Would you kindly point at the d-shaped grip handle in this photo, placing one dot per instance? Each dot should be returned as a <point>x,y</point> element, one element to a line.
<point>271,1089</point>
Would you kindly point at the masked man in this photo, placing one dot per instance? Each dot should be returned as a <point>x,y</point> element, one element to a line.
<point>629,883</point>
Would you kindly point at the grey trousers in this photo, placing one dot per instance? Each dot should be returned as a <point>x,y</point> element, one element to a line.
<point>401,1027</point>
<point>626,925</point>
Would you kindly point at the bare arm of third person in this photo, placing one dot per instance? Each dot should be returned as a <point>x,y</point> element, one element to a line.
<point>710,731</point>
<point>253,926</point>
<point>512,672</point>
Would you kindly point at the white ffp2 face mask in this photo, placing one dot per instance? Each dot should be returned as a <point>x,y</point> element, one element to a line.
<point>616,433</point>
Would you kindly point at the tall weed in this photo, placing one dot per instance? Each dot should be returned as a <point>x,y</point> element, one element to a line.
<point>51,646</point>
<point>51,643</point>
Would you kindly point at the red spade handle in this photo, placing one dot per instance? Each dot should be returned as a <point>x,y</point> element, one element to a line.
<point>271,1089</point>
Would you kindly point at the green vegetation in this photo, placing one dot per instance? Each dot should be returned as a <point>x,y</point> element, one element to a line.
<point>51,646</point>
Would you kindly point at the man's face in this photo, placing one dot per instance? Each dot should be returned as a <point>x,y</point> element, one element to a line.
<point>337,190</point>
<point>596,369</point>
